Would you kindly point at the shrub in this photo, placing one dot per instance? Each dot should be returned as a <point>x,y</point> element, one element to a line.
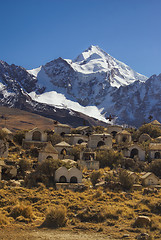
<point>95,175</point>
<point>153,131</point>
<point>56,217</point>
<point>125,180</point>
<point>34,179</point>
<point>99,129</point>
<point>34,152</point>
<point>156,207</point>
<point>3,220</point>
<point>24,165</point>
<point>108,158</point>
<point>76,150</point>
<point>56,138</point>
<point>91,215</point>
<point>155,167</point>
<point>22,210</point>
<point>44,173</point>
<point>97,215</point>
<point>49,166</point>
<point>98,194</point>
<point>18,137</point>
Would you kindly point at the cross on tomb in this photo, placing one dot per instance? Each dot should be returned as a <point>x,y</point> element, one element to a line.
<point>104,137</point>
<point>110,118</point>
<point>150,117</point>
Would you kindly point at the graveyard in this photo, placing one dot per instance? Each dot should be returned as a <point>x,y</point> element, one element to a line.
<point>103,180</point>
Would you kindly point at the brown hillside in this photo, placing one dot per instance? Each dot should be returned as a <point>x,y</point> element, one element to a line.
<point>15,119</point>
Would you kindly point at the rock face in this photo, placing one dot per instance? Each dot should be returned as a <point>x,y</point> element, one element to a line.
<point>134,103</point>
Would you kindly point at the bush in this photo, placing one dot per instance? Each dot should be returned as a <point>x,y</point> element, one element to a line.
<point>3,220</point>
<point>95,175</point>
<point>24,165</point>
<point>97,215</point>
<point>56,217</point>
<point>76,150</point>
<point>34,179</point>
<point>125,180</point>
<point>155,167</point>
<point>22,210</point>
<point>49,166</point>
<point>99,129</point>
<point>108,158</point>
<point>34,152</point>
<point>18,137</point>
<point>45,173</point>
<point>56,138</point>
<point>153,131</point>
<point>156,207</point>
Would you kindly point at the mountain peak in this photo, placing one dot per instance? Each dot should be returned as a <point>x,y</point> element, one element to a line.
<point>94,48</point>
<point>92,52</point>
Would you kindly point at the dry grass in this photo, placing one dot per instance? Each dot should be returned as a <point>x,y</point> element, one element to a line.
<point>22,120</point>
<point>3,220</point>
<point>92,209</point>
<point>21,211</point>
<point>56,217</point>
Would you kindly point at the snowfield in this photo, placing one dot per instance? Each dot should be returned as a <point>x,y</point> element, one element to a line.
<point>60,101</point>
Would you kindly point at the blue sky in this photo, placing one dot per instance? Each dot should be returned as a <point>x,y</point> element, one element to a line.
<point>34,32</point>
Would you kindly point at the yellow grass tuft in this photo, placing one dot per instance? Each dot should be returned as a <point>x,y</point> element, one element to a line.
<point>56,217</point>
<point>22,210</point>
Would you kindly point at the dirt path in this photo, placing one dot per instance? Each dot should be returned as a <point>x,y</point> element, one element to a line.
<point>46,234</point>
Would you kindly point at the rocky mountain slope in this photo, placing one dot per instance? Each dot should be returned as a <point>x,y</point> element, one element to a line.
<point>16,82</point>
<point>94,84</point>
<point>89,79</point>
<point>138,102</point>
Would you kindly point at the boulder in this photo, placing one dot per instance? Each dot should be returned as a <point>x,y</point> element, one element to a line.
<point>142,221</point>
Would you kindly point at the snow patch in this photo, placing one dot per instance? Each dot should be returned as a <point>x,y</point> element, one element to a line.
<point>60,101</point>
<point>35,71</point>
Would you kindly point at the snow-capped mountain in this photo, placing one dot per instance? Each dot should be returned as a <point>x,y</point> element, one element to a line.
<point>16,82</point>
<point>89,79</point>
<point>94,84</point>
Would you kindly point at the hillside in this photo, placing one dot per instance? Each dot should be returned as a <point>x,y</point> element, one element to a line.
<point>20,120</point>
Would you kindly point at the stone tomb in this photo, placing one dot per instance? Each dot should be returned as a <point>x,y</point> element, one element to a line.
<point>63,149</point>
<point>114,129</point>
<point>88,160</point>
<point>76,138</point>
<point>35,137</point>
<point>64,175</point>
<point>98,140</point>
<point>62,129</point>
<point>84,130</point>
<point>155,150</point>
<point>150,179</point>
<point>48,152</point>
<point>144,138</point>
<point>135,151</point>
<point>123,137</point>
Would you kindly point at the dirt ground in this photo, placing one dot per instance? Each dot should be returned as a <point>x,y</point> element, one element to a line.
<point>48,234</point>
